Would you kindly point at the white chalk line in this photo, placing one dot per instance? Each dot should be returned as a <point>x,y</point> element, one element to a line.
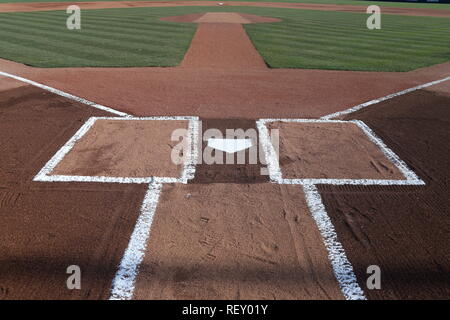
<point>354,182</point>
<point>125,278</point>
<point>390,96</point>
<point>188,167</point>
<point>400,164</point>
<point>192,151</point>
<point>270,155</point>
<point>124,282</point>
<point>43,174</point>
<point>342,267</point>
<point>275,173</point>
<point>65,94</point>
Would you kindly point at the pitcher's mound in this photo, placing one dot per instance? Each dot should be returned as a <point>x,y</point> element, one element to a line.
<point>220,17</point>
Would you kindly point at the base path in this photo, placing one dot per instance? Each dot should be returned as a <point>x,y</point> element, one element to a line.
<point>24,7</point>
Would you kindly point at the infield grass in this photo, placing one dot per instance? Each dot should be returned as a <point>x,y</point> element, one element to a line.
<point>304,39</point>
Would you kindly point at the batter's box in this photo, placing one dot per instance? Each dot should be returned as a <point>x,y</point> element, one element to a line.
<point>330,152</point>
<point>126,150</point>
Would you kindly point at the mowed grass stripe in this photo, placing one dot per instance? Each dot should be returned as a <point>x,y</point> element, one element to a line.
<point>304,39</point>
<point>109,28</point>
<point>404,35</point>
<point>336,45</point>
<point>83,43</point>
<point>293,40</point>
<point>83,36</point>
<point>350,45</point>
<point>109,24</point>
<point>93,45</point>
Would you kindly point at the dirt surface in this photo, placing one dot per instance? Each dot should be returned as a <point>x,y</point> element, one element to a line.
<point>221,42</point>
<point>46,227</point>
<point>235,241</point>
<point>404,230</point>
<point>222,46</point>
<point>23,7</point>
<point>442,89</point>
<point>220,17</point>
<point>245,239</point>
<point>125,148</point>
<point>244,167</point>
<point>330,151</point>
<point>251,93</point>
<point>8,84</point>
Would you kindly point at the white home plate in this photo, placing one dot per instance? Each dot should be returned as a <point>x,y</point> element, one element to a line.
<point>230,145</point>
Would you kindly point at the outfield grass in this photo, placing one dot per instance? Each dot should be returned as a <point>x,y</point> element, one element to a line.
<point>349,2</point>
<point>304,39</point>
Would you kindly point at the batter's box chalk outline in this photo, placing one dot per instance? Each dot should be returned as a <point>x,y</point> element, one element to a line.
<point>187,173</point>
<point>342,268</point>
<point>276,175</point>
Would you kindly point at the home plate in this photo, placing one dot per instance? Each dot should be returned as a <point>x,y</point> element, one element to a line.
<point>230,145</point>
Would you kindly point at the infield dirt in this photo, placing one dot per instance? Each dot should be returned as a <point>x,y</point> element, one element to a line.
<point>125,148</point>
<point>228,233</point>
<point>404,230</point>
<point>235,241</point>
<point>46,227</point>
<point>330,151</point>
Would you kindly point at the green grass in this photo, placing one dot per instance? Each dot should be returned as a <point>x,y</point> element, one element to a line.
<point>338,40</point>
<point>113,37</point>
<point>304,39</point>
<point>351,2</point>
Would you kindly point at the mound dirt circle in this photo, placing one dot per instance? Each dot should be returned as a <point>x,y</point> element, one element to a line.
<point>220,17</point>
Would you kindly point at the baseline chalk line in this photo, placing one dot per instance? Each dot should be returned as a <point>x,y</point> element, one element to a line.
<point>65,94</point>
<point>342,268</point>
<point>125,278</point>
<point>375,101</point>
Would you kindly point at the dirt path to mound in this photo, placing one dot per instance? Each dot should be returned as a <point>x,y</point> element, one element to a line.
<point>47,6</point>
<point>221,42</point>
<point>222,45</point>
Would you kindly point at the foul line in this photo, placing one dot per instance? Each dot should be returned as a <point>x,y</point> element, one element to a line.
<point>65,94</point>
<point>125,278</point>
<point>342,267</point>
<point>375,101</point>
